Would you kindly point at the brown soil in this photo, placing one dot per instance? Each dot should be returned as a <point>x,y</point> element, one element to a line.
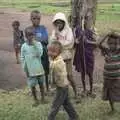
<point>11,75</point>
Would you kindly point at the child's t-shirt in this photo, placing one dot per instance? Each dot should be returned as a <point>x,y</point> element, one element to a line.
<point>112,67</point>
<point>31,58</point>
<point>58,72</point>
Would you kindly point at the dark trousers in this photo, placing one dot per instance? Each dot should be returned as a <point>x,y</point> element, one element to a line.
<point>60,99</point>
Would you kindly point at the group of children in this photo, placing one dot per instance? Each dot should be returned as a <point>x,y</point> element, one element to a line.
<point>36,54</point>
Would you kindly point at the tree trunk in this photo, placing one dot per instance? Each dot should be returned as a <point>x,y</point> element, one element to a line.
<point>84,13</point>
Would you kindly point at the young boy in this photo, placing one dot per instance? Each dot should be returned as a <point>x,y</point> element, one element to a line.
<point>18,38</point>
<point>63,34</point>
<point>31,53</point>
<point>111,89</point>
<point>59,73</point>
<point>41,35</point>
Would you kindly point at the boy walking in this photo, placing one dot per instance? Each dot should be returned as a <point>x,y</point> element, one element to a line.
<point>59,73</point>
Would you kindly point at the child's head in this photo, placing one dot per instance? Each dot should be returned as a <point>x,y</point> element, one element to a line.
<point>15,25</point>
<point>54,49</point>
<point>60,21</point>
<point>29,34</point>
<point>113,41</point>
<point>35,17</point>
<point>60,24</point>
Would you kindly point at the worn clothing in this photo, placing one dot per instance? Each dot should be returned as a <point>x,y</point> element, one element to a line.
<point>31,59</point>
<point>65,37</point>
<point>84,51</point>
<point>18,39</point>
<point>62,98</point>
<point>58,72</point>
<point>35,80</point>
<point>111,89</point>
<point>68,66</point>
<point>41,35</point>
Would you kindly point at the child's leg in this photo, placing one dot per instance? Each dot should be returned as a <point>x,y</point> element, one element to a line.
<point>41,86</point>
<point>58,101</point>
<point>70,77</point>
<point>17,55</point>
<point>91,82</point>
<point>111,102</point>
<point>83,81</point>
<point>111,105</point>
<point>47,82</point>
<point>69,108</point>
<point>33,89</point>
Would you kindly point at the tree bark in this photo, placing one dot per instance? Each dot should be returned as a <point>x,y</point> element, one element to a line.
<point>84,13</point>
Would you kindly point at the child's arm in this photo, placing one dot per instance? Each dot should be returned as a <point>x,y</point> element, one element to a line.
<point>102,48</point>
<point>44,38</point>
<point>22,37</point>
<point>69,40</point>
<point>24,65</point>
<point>39,48</point>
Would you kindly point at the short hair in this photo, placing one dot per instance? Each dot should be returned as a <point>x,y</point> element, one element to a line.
<point>35,11</point>
<point>29,29</point>
<point>58,45</point>
<point>115,37</point>
<point>16,22</point>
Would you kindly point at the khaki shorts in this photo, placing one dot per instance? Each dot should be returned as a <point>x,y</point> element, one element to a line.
<point>68,66</point>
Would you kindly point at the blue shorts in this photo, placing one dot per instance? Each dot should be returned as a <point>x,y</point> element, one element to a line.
<point>35,80</point>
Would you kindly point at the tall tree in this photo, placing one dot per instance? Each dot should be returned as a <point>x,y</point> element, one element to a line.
<point>84,12</point>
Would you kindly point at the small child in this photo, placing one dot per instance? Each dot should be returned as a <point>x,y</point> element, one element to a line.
<point>59,73</point>
<point>18,39</point>
<point>111,89</point>
<point>63,33</point>
<point>31,53</point>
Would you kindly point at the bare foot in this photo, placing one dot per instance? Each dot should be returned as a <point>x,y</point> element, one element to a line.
<point>90,94</point>
<point>36,103</point>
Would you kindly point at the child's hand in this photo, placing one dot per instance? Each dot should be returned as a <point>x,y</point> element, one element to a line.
<point>107,58</point>
<point>77,41</point>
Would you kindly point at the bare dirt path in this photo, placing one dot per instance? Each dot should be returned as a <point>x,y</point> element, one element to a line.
<point>11,75</point>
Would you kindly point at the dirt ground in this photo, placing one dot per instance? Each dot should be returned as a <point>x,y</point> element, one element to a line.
<point>11,75</point>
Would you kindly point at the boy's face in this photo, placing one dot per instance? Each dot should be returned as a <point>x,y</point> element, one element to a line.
<point>59,24</point>
<point>15,26</point>
<point>53,51</point>
<point>112,43</point>
<point>35,18</point>
<point>29,35</point>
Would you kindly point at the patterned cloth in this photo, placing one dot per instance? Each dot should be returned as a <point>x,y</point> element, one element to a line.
<point>84,51</point>
<point>111,74</point>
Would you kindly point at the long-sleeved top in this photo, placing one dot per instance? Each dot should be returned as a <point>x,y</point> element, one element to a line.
<point>31,58</point>
<point>58,72</point>
<point>65,37</point>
